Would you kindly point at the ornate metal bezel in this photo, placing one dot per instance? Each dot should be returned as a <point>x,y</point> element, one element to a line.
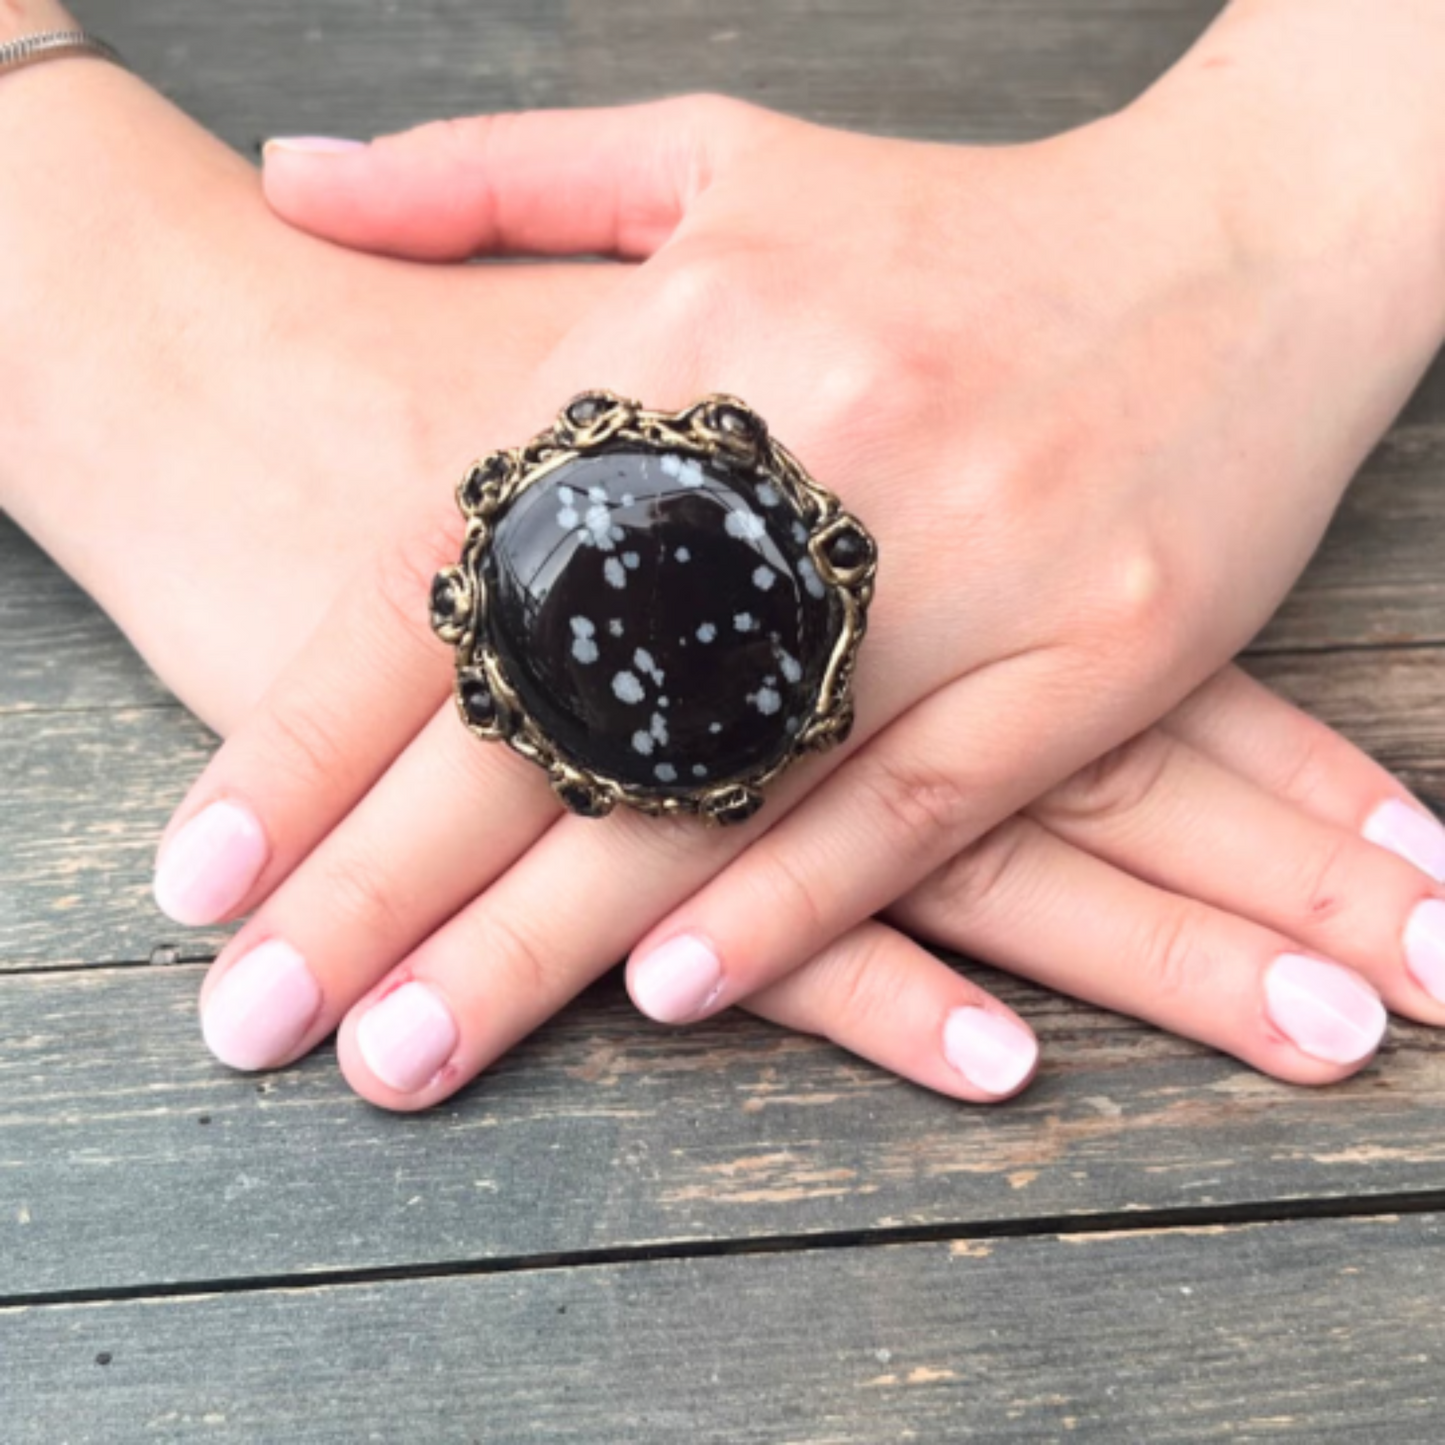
<point>718,426</point>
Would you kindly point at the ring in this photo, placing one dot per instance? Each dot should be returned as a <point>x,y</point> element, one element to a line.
<point>662,609</point>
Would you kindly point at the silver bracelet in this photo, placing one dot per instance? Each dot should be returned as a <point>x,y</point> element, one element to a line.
<point>53,45</point>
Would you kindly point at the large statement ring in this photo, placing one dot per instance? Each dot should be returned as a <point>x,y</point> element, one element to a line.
<point>660,608</point>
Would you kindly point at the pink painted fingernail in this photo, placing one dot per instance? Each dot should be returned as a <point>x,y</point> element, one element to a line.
<point>261,1008</point>
<point>992,1052</point>
<point>315,145</point>
<point>1425,946</point>
<point>1412,835</point>
<point>1326,1011</point>
<point>210,865</point>
<point>407,1037</point>
<point>677,980</point>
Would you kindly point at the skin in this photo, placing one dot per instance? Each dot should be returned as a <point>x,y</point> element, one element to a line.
<point>1098,887</point>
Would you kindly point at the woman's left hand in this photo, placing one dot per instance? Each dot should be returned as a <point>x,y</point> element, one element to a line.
<point>1076,403</point>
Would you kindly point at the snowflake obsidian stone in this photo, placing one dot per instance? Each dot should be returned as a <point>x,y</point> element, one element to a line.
<point>662,609</point>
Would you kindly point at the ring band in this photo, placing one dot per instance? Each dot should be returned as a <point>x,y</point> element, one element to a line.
<point>662,609</point>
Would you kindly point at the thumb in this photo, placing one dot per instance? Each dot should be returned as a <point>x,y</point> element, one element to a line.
<point>614,181</point>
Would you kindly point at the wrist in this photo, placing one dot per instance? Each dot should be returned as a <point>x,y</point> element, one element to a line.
<point>30,17</point>
<point>1318,127</point>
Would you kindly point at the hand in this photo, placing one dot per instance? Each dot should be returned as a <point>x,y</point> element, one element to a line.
<point>1113,578</point>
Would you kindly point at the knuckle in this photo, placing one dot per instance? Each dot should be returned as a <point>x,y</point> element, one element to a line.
<point>530,971</point>
<point>303,742</point>
<point>1174,955</point>
<point>1324,882</point>
<point>792,893</point>
<point>916,804</point>
<point>364,895</point>
<point>1118,783</point>
<point>978,877</point>
<point>861,984</point>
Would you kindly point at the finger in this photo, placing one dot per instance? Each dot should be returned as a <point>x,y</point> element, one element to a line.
<point>1164,812</point>
<point>897,808</point>
<point>445,820</point>
<point>884,998</point>
<point>1249,729</point>
<point>363,686</point>
<point>614,180</point>
<point>1032,903</point>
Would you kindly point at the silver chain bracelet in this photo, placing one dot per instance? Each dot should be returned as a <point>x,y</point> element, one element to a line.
<point>53,45</point>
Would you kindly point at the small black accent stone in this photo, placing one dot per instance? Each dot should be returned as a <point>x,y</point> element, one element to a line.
<point>580,800</point>
<point>103,1358</point>
<point>585,410</point>
<point>846,549</point>
<point>203,1119</point>
<point>736,423</point>
<point>478,703</point>
<point>443,596</point>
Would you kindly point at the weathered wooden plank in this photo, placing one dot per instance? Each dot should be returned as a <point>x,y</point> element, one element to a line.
<point>128,1157</point>
<point>86,796</point>
<point>1323,1332</point>
<point>57,649</point>
<point>966,69</point>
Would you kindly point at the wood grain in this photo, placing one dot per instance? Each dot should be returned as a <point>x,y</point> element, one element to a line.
<point>128,1157</point>
<point>1325,1332</point>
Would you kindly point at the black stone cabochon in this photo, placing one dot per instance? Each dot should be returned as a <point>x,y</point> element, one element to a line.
<point>659,616</point>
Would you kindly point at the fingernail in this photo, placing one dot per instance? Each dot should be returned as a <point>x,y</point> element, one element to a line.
<point>677,980</point>
<point>1326,1011</point>
<point>990,1051</point>
<point>1412,835</point>
<point>210,865</point>
<point>316,145</point>
<point>1425,946</point>
<point>407,1037</point>
<point>261,1008</point>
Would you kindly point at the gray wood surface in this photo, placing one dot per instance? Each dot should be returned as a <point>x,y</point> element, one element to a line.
<point>1264,1333</point>
<point>190,1254</point>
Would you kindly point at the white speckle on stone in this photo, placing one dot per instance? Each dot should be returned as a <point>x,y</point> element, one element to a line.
<point>769,495</point>
<point>792,668</point>
<point>600,531</point>
<point>766,700</point>
<point>771,680</point>
<point>664,702</point>
<point>642,743</point>
<point>615,627</point>
<point>683,555</point>
<point>790,724</point>
<point>745,622</point>
<point>706,632</point>
<point>584,649</point>
<point>597,494</point>
<point>690,474</point>
<point>659,728</point>
<point>566,494</point>
<point>567,518</point>
<point>615,573</point>
<point>671,464</point>
<point>583,626</point>
<point>630,560</point>
<point>627,687</point>
<point>800,532</point>
<point>698,771</point>
<point>764,577</point>
<point>714,727</point>
<point>666,773</point>
<point>627,499</point>
<point>745,524</point>
<point>811,580</point>
<point>644,660</point>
